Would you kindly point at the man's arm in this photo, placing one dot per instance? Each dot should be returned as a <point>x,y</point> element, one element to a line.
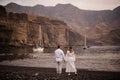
<point>63,56</point>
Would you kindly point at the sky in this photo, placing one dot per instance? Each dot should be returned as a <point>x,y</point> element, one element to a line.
<point>82,4</point>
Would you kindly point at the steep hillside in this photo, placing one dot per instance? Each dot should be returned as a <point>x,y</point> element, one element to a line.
<point>20,29</point>
<point>97,24</point>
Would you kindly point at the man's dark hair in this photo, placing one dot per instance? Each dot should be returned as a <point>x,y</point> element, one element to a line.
<point>70,47</point>
<point>58,46</point>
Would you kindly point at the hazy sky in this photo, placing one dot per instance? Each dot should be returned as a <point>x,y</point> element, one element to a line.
<point>82,4</point>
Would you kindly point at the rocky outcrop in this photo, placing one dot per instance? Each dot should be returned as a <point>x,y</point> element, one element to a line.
<point>3,12</point>
<point>13,28</point>
<point>51,32</point>
<point>47,32</point>
<point>20,29</point>
<point>114,35</point>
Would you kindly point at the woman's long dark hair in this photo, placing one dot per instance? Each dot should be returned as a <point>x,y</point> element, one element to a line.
<point>70,49</point>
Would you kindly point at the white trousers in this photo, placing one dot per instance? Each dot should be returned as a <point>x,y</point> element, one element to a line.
<point>59,67</point>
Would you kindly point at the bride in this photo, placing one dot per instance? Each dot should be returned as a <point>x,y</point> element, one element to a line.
<point>70,59</point>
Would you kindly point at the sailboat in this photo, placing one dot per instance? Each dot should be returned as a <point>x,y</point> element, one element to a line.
<point>39,49</point>
<point>85,41</point>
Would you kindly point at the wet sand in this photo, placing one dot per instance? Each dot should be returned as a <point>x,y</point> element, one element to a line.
<point>33,73</point>
<point>95,62</point>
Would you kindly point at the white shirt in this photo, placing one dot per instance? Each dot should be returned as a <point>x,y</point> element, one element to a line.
<point>59,55</point>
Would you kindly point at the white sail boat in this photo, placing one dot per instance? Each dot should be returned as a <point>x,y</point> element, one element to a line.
<point>85,39</point>
<point>85,46</point>
<point>39,49</point>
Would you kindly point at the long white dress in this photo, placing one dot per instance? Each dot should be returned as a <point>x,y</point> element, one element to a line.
<point>70,62</point>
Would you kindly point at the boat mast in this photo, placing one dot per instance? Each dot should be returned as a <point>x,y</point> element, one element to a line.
<point>85,41</point>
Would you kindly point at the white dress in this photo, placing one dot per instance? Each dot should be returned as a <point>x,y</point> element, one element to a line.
<point>70,62</point>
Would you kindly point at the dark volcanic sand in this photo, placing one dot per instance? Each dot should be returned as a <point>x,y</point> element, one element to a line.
<point>32,73</point>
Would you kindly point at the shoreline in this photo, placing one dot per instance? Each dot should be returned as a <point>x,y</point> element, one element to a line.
<point>92,62</point>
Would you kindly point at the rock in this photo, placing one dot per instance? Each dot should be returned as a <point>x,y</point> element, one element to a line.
<point>3,12</point>
<point>22,30</point>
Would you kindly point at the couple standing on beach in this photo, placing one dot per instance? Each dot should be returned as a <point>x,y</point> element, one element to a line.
<point>69,58</point>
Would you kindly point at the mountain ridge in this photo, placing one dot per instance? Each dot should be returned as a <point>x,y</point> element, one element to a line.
<point>79,20</point>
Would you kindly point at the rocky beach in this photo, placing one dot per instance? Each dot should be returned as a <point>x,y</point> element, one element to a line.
<point>33,73</point>
<point>94,35</point>
<point>41,66</point>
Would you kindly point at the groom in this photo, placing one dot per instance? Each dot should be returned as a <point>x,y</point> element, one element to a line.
<point>60,57</point>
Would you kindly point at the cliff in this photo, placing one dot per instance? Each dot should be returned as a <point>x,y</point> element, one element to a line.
<point>20,29</point>
<point>97,24</point>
